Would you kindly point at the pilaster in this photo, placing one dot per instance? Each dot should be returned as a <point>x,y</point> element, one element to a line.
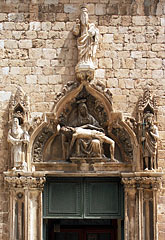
<point>25,204</point>
<point>141,189</point>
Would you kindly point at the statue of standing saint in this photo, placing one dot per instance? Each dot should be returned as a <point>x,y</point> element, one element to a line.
<point>18,139</point>
<point>87,42</point>
<point>149,140</point>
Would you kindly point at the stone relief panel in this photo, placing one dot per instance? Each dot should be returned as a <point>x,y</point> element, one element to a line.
<point>82,131</point>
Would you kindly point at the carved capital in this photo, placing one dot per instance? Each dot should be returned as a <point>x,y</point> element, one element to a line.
<point>149,182</point>
<point>129,182</point>
<point>25,182</point>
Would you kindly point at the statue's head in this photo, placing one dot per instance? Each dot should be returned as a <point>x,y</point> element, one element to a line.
<point>15,122</point>
<point>148,117</point>
<point>82,108</point>
<point>84,15</point>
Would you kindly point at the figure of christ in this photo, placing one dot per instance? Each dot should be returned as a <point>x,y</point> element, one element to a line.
<point>92,133</point>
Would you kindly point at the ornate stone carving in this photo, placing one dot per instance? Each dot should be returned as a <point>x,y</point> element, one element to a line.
<point>88,36</point>
<point>124,140</point>
<point>89,141</point>
<point>19,139</point>
<point>141,181</point>
<point>95,108</point>
<point>66,89</point>
<point>39,143</point>
<point>99,86</point>
<point>150,137</point>
<point>147,130</point>
<point>25,181</point>
<point>19,106</point>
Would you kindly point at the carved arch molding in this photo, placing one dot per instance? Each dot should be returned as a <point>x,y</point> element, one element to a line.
<point>78,105</point>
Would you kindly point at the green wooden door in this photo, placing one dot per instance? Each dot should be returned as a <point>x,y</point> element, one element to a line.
<point>83,198</point>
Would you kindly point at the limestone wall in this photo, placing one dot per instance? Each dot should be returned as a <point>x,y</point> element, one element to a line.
<point>38,51</point>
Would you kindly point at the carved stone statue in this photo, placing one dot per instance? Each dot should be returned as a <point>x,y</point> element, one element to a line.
<point>149,141</point>
<point>88,132</point>
<point>87,42</point>
<point>83,116</point>
<point>84,137</point>
<point>18,139</point>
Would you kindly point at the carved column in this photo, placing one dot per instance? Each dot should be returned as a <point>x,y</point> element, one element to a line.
<point>130,208</point>
<point>141,191</point>
<point>148,187</point>
<point>25,205</point>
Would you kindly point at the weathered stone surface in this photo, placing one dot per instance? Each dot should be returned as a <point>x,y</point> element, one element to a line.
<point>38,52</point>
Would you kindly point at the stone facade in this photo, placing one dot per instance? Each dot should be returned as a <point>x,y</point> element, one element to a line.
<point>38,52</point>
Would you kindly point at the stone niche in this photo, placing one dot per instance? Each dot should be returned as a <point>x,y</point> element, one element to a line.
<point>83,129</point>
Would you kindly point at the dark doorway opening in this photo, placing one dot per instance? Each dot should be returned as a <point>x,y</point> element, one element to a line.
<point>82,229</point>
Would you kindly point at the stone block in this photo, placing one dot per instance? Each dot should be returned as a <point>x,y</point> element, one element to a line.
<point>31,79</point>
<point>31,34</point>
<point>100,73</point>
<point>105,63</point>
<point>25,70</point>
<point>42,34</point>
<point>157,74</point>
<point>51,1</point>
<point>11,44</point>
<point>17,34</point>
<point>49,53</point>
<point>163,21</point>
<point>68,8</point>
<point>2,44</point>
<point>158,47</point>
<point>35,26</point>
<point>146,74</point>
<point>100,9</point>
<point>3,17</point>
<point>43,62</point>
<point>155,63</point>
<point>121,83</point>
<point>4,96</point>
<point>135,73</point>
<point>5,70</point>
<point>42,79</point>
<point>108,38</point>
<point>116,63</point>
<point>25,44</point>
<point>35,53</point>
<point>139,20</point>
<point>141,63</point>
<point>58,26</point>
<point>112,83</point>
<point>14,70</point>
<point>9,25</point>
<point>54,79</point>
<point>136,54</point>
<point>128,63</point>
<point>46,26</point>
<point>129,83</point>
<point>122,73</point>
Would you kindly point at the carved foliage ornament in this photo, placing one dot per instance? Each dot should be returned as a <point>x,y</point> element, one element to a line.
<point>22,182</point>
<point>19,106</point>
<point>124,140</point>
<point>39,144</point>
